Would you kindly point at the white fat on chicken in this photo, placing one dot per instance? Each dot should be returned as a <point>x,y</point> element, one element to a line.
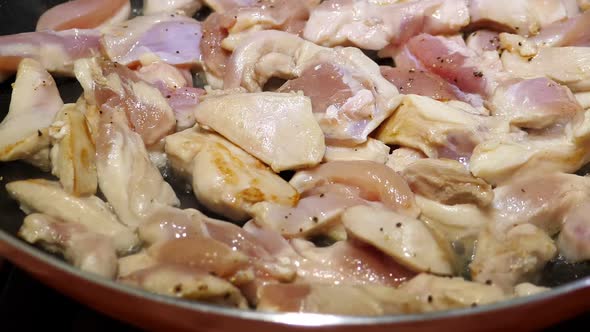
<point>73,152</point>
<point>569,66</point>
<point>48,197</point>
<point>277,128</point>
<point>452,133</point>
<point>225,178</point>
<point>84,14</point>
<point>506,259</point>
<point>400,158</point>
<point>372,149</point>
<point>447,181</point>
<point>121,158</point>
<point>87,250</point>
<point>444,219</point>
<point>186,7</point>
<point>350,117</point>
<point>34,104</point>
<point>407,240</point>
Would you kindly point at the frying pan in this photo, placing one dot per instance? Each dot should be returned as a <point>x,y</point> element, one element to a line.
<point>156,312</point>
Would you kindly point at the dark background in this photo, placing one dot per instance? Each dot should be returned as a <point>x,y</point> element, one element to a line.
<point>26,304</point>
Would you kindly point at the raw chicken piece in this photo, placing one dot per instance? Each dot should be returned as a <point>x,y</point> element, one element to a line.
<point>312,215</point>
<point>121,158</point>
<point>535,103</point>
<point>525,17</point>
<point>172,38</point>
<point>352,99</point>
<point>56,51</point>
<point>542,199</point>
<point>366,300</point>
<point>420,82</point>
<point>571,32</point>
<point>405,239</point>
<point>73,153</point>
<point>528,289</point>
<point>232,22</point>
<point>482,41</point>
<point>473,75</point>
<point>109,85</point>
<point>347,263</point>
<point>402,157</point>
<point>205,254</point>
<point>453,133</point>
<point>566,65</point>
<point>371,150</point>
<point>512,257</point>
<point>164,76</point>
<point>34,103</point>
<point>167,223</point>
<point>49,198</point>
<point>176,85</point>
<point>187,7</point>
<point>371,25</point>
<point>574,239</point>
<point>448,182</point>
<point>188,283</point>
<point>440,293</point>
<point>188,238</point>
<point>443,218</point>
<point>374,182</point>
<point>226,5</point>
<point>277,128</point>
<point>424,293</point>
<point>87,250</point>
<point>499,160</point>
<point>84,14</point>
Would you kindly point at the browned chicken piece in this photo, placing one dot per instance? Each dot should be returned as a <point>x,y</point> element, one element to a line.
<point>90,251</point>
<point>226,179</point>
<point>447,181</point>
<point>73,153</point>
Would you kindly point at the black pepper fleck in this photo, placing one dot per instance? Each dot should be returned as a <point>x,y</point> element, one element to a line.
<point>488,282</point>
<point>39,133</point>
<point>398,225</point>
<point>430,298</point>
